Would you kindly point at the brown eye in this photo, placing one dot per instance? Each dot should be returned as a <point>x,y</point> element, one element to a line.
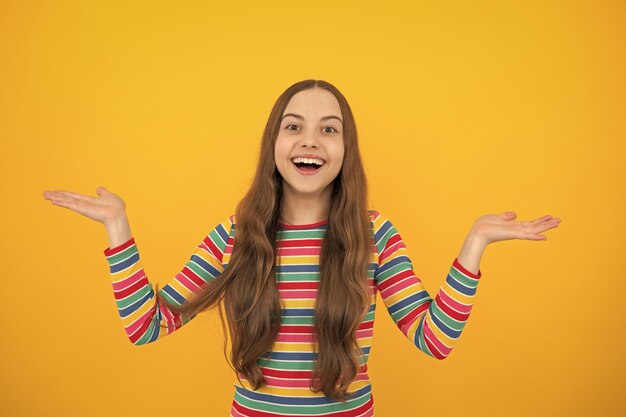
<point>287,127</point>
<point>330,127</point>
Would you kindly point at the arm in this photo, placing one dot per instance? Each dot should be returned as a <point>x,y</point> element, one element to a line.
<point>433,325</point>
<point>143,318</point>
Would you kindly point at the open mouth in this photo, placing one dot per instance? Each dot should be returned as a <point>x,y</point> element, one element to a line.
<point>307,165</point>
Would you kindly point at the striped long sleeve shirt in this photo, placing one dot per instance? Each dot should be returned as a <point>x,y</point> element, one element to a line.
<point>432,325</point>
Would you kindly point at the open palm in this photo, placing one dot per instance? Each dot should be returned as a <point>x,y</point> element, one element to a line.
<point>105,208</point>
<point>497,227</point>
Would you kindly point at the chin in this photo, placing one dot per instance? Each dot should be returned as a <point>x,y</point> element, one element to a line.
<point>308,190</point>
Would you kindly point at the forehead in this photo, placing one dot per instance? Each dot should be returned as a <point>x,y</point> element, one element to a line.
<point>314,103</point>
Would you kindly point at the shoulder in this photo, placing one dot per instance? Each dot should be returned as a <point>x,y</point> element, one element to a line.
<point>224,228</point>
<point>378,220</point>
<point>387,239</point>
<point>231,222</point>
<point>382,227</point>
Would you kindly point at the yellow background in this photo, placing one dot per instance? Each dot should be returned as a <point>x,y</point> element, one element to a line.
<point>463,109</point>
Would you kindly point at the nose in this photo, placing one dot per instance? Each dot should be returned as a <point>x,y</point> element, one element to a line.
<point>310,140</point>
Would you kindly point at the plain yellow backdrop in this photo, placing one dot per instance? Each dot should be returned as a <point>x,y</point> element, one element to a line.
<point>463,109</point>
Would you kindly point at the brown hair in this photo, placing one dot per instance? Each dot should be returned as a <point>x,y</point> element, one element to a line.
<point>247,286</point>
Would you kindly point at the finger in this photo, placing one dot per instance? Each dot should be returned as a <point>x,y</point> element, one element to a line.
<point>549,223</point>
<point>67,204</point>
<point>540,228</point>
<point>66,200</point>
<point>59,196</point>
<point>56,194</point>
<point>61,202</point>
<point>507,215</point>
<point>536,221</point>
<point>49,194</point>
<point>533,236</point>
<point>541,219</point>
<point>78,196</point>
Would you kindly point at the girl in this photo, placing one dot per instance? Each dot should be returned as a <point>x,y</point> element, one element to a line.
<point>297,269</point>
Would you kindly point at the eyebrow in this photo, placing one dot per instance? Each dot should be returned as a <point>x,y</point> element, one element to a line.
<point>297,116</point>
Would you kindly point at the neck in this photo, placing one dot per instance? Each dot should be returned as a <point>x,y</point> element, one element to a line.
<point>304,208</point>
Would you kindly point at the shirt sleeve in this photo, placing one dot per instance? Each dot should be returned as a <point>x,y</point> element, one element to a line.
<point>434,326</point>
<point>145,320</point>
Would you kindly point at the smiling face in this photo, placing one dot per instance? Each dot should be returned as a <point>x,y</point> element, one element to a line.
<point>311,128</point>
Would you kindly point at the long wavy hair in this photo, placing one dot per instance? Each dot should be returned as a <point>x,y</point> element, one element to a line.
<point>247,286</point>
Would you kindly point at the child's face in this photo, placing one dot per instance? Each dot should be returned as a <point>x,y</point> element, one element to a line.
<point>323,139</point>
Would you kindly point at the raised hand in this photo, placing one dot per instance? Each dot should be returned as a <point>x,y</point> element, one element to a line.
<point>106,208</point>
<point>496,227</point>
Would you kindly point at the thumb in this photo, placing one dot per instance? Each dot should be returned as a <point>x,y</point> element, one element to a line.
<point>508,215</point>
<point>101,191</point>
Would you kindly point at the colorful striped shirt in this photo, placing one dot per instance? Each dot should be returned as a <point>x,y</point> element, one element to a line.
<point>432,325</point>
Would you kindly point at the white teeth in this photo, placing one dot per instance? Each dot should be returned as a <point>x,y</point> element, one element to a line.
<point>308,161</point>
